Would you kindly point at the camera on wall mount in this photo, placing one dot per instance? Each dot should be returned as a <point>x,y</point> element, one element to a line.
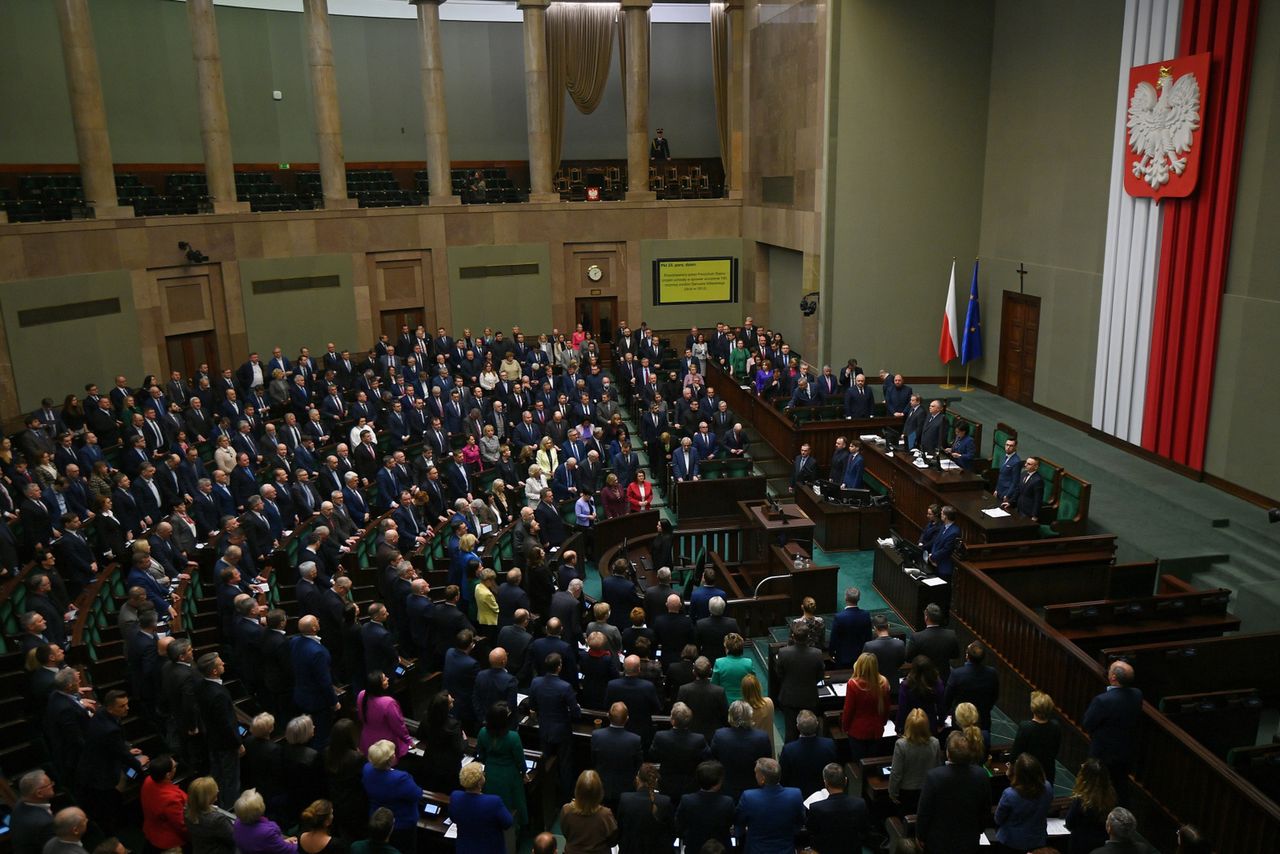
<point>194,255</point>
<point>809,304</point>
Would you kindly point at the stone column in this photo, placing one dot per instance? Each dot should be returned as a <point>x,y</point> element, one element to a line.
<point>324,94</point>
<point>537,100</point>
<point>215,136</point>
<point>88,113</point>
<point>433,102</point>
<point>635,29</point>
<point>737,92</point>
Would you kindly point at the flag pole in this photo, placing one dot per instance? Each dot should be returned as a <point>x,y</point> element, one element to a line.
<point>948,383</point>
<point>966,386</point>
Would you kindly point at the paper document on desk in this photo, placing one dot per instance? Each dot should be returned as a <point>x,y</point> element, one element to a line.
<point>887,542</point>
<point>982,839</point>
<point>452,832</point>
<point>890,730</point>
<point>871,438</point>
<point>840,688</point>
<point>933,581</point>
<point>1057,827</point>
<point>920,464</point>
<point>947,465</point>
<point>995,512</point>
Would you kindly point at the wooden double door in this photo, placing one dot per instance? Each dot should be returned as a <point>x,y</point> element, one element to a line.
<point>1019,335</point>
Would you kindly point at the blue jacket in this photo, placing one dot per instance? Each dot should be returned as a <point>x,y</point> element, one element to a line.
<point>850,630</point>
<point>481,819</point>
<point>737,749</point>
<point>396,790</point>
<point>312,679</point>
<point>554,701</point>
<point>803,760</point>
<point>944,543</point>
<point>1008,477</point>
<point>1112,722</point>
<point>853,472</point>
<point>768,819</point>
<point>965,447</point>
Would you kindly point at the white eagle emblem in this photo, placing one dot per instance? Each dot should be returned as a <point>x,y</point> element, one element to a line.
<point>1160,127</point>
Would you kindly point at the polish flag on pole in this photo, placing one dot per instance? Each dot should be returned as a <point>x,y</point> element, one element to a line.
<point>948,345</point>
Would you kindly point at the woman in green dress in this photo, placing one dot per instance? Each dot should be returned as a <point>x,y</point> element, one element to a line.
<point>732,666</point>
<point>499,748</point>
<point>738,360</point>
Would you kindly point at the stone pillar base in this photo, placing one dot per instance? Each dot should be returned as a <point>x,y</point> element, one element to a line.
<point>340,204</point>
<point>641,196</point>
<point>444,201</point>
<point>112,211</point>
<point>543,198</point>
<point>231,207</point>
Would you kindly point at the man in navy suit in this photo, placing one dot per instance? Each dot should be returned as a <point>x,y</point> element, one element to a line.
<point>944,544</point>
<point>738,746</point>
<point>933,432</point>
<point>1009,470</point>
<point>769,817</point>
<point>805,467</point>
<point>684,462</point>
<point>616,753</point>
<point>955,802</point>
<point>1028,493</point>
<point>553,700</point>
<point>852,478</point>
<point>859,402</point>
<point>841,820</point>
<point>804,758</point>
<point>706,813</point>
<point>1111,720</point>
<point>312,678</point>
<point>638,696</point>
<point>850,630</point>
<point>976,683</point>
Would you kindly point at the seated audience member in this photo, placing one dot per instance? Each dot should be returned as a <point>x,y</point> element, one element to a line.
<point>482,819</point>
<point>915,754</point>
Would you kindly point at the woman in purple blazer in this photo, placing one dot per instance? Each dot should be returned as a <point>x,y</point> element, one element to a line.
<point>381,717</point>
<point>253,833</point>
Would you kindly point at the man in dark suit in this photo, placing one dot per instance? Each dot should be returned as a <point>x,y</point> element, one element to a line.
<point>493,685</point>
<point>32,821</point>
<point>1028,492</point>
<point>566,606</point>
<point>515,639</point>
<point>619,591</point>
<point>933,432</point>
<point>706,813</point>
<point>142,659</point>
<point>850,630</point>
<point>553,700</point>
<point>550,522</point>
<point>616,754</point>
<point>511,597</point>
<point>673,629</point>
<point>805,468</point>
<point>705,699</point>
<point>890,652</point>
<point>859,401</point>
<point>803,759</point>
<point>800,668</point>
<point>769,816</point>
<point>678,751</point>
<point>218,725</point>
<point>934,642</point>
<point>66,724</point>
<point>711,630</point>
<point>955,802</point>
<point>106,758</point>
<point>639,696</point>
<point>976,683</point>
<point>379,648</point>
<point>738,746</point>
<point>313,691</point>
<point>943,547</point>
<point>445,620</point>
<point>1111,720</point>
<point>460,671</point>
<point>841,821</point>
<point>1007,479</point>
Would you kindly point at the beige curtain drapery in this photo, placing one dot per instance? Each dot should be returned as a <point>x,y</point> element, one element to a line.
<point>720,77</point>
<point>579,50</point>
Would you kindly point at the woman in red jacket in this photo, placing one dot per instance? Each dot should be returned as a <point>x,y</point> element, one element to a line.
<point>640,493</point>
<point>163,804</point>
<point>866,706</point>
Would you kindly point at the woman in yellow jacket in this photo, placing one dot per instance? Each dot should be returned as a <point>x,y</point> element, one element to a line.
<point>487,604</point>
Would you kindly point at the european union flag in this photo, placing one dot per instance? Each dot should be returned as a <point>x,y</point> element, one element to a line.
<point>971,346</point>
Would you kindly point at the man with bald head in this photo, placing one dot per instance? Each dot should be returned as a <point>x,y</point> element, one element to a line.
<point>69,826</point>
<point>639,696</point>
<point>616,752</point>
<point>313,691</point>
<point>1112,724</point>
<point>494,684</point>
<point>673,630</point>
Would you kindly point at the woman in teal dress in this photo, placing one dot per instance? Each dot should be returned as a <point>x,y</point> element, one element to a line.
<point>731,667</point>
<point>499,748</point>
<point>738,360</point>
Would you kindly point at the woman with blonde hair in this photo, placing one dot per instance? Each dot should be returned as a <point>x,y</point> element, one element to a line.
<point>224,456</point>
<point>253,832</point>
<point>614,497</point>
<point>966,720</point>
<point>394,789</point>
<point>485,825</point>
<point>915,754</point>
<point>761,708</point>
<point>534,485</point>
<point>548,456</point>
<point>487,603</point>
<point>866,706</point>
<point>1041,736</point>
<point>315,823</point>
<point>588,826</point>
<point>490,447</point>
<point>209,826</point>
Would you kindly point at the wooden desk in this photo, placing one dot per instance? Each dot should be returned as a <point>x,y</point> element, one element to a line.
<point>838,527</point>
<point>792,527</point>
<point>914,489</point>
<point>714,499</point>
<point>906,595</point>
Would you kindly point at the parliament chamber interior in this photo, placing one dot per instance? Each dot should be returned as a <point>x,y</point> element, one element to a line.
<point>535,425</point>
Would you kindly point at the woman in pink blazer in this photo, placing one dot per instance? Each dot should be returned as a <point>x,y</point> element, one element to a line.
<point>381,717</point>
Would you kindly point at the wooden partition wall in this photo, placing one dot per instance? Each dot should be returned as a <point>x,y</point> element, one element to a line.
<point>1178,780</point>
